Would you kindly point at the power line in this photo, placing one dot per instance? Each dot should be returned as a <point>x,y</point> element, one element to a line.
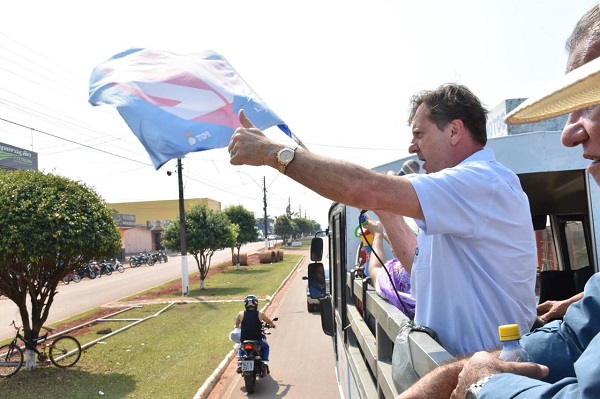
<point>74,142</point>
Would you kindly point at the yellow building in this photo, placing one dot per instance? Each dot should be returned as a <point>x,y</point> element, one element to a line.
<point>146,211</point>
<point>141,223</point>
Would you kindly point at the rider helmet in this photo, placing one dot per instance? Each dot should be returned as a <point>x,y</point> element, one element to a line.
<point>251,300</point>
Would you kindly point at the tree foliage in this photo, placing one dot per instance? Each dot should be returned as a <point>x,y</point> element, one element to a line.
<point>50,226</point>
<point>206,231</point>
<point>305,226</point>
<point>285,227</point>
<point>242,217</point>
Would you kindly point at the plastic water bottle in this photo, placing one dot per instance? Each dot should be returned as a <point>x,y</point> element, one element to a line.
<point>511,345</point>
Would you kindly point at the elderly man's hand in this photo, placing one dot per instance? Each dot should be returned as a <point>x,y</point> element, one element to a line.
<point>249,146</point>
<point>483,364</point>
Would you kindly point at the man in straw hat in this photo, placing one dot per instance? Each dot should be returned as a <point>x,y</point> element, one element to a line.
<point>566,352</point>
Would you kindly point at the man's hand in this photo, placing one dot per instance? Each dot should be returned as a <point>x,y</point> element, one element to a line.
<point>249,146</point>
<point>483,364</point>
<point>550,310</point>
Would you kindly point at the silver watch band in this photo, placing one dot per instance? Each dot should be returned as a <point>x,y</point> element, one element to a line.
<point>473,391</point>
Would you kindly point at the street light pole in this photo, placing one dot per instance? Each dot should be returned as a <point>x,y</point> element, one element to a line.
<point>184,266</point>
<point>265,209</point>
<point>266,220</point>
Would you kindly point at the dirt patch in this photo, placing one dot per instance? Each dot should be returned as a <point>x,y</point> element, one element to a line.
<point>87,321</point>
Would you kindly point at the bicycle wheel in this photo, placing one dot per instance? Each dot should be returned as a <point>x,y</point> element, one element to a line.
<point>65,351</point>
<point>11,360</point>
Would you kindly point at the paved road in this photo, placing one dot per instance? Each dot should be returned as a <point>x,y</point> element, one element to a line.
<point>74,298</point>
<point>301,359</point>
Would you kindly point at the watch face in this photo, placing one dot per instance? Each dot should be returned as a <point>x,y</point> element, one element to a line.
<point>471,394</point>
<point>286,155</point>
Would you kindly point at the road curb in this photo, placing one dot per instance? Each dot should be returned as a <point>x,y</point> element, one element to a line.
<point>214,378</point>
<point>211,381</point>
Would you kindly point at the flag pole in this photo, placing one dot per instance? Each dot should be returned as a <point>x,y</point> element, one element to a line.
<point>184,266</point>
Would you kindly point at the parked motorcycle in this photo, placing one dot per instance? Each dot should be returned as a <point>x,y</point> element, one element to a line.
<point>95,267</point>
<point>155,257</point>
<point>72,276</point>
<point>250,364</point>
<point>88,270</point>
<point>162,256</point>
<point>105,268</point>
<point>143,258</point>
<point>117,266</point>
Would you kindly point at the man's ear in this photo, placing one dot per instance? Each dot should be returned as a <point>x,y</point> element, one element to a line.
<point>456,131</point>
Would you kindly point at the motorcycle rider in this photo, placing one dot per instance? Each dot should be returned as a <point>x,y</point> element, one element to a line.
<point>250,322</point>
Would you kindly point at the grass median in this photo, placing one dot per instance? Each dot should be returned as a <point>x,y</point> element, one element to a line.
<point>166,356</point>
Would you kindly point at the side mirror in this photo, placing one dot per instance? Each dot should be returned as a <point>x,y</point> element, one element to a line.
<point>326,315</point>
<point>316,249</point>
<point>316,281</point>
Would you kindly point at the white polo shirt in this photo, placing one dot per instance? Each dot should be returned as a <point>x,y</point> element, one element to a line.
<point>475,263</point>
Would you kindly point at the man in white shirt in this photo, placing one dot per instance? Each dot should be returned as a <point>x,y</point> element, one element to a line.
<point>475,256</point>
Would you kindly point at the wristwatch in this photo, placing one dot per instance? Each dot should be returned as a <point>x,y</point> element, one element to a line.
<point>473,391</point>
<point>284,157</point>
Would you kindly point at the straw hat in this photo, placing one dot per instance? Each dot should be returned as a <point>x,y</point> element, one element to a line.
<point>578,89</point>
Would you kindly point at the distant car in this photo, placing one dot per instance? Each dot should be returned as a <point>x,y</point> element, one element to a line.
<point>312,304</point>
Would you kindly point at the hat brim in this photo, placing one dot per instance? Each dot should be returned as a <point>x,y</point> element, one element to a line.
<point>578,89</point>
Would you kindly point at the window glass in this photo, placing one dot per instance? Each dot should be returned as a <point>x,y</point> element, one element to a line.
<point>576,245</point>
<point>546,250</point>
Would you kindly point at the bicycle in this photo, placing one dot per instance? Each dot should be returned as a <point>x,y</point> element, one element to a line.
<point>64,351</point>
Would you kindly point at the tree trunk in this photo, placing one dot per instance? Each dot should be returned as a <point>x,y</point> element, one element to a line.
<point>236,257</point>
<point>30,360</point>
<point>201,284</point>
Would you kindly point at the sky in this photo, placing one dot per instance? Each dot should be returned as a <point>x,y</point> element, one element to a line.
<point>339,73</point>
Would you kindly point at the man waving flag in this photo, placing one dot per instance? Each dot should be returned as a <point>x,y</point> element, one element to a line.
<point>177,104</point>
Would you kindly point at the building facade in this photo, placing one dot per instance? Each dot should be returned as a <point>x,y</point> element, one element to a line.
<point>141,224</point>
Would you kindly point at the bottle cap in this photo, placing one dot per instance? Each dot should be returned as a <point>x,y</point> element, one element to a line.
<point>509,332</point>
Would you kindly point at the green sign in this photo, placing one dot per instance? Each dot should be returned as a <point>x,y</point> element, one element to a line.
<point>17,158</point>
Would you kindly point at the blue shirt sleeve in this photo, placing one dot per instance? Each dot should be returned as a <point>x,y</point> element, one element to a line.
<point>569,348</point>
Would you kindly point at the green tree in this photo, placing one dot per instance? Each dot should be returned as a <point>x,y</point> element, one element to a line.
<point>239,215</point>
<point>285,227</point>
<point>305,226</point>
<point>206,231</point>
<point>316,227</point>
<point>50,226</point>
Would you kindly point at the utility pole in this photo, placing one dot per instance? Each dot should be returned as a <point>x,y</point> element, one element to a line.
<point>265,209</point>
<point>184,266</point>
